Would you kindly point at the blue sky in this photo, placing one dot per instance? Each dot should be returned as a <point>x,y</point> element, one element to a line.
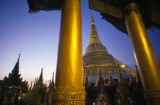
<point>36,37</point>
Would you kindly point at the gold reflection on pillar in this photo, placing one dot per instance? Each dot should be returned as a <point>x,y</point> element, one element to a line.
<point>147,63</point>
<point>69,76</point>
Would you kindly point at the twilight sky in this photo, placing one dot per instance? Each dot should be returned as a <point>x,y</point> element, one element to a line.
<point>36,37</point>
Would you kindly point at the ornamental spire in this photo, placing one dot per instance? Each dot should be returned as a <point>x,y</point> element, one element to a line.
<point>111,81</point>
<point>14,76</point>
<point>131,79</point>
<point>95,45</point>
<point>99,80</point>
<point>16,67</point>
<point>53,78</point>
<point>94,39</point>
<point>92,20</point>
<point>120,75</point>
<point>41,77</point>
<point>18,58</point>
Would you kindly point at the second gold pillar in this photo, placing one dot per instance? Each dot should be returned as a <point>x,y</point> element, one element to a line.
<point>146,60</point>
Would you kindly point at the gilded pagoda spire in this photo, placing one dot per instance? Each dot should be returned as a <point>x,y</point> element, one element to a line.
<point>94,46</point>
<point>94,39</point>
<point>96,55</point>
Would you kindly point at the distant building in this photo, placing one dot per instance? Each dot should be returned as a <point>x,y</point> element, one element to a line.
<point>12,88</point>
<point>39,93</point>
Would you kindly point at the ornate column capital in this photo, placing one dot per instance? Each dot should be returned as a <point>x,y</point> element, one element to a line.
<point>129,8</point>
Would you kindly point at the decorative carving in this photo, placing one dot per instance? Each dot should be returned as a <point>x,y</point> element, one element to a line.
<point>152,96</point>
<point>129,8</point>
<point>69,103</point>
<point>69,96</point>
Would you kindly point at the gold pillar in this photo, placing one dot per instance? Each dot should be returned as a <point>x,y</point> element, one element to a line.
<point>69,87</point>
<point>146,60</point>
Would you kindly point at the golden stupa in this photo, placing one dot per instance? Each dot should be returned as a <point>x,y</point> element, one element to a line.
<point>97,57</point>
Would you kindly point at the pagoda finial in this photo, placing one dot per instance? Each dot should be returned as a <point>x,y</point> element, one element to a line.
<point>92,20</point>
<point>94,38</point>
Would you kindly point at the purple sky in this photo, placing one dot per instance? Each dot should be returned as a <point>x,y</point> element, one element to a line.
<point>36,37</point>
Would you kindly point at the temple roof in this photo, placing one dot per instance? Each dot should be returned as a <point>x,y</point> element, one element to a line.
<point>45,5</point>
<point>113,11</point>
<point>14,78</point>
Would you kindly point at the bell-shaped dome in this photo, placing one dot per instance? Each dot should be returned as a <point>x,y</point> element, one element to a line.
<point>95,46</point>
<point>96,56</point>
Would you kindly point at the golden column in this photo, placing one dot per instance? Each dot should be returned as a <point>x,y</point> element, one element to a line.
<point>147,63</point>
<point>69,87</point>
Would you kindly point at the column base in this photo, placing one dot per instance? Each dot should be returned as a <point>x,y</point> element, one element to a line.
<point>69,96</point>
<point>152,97</point>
